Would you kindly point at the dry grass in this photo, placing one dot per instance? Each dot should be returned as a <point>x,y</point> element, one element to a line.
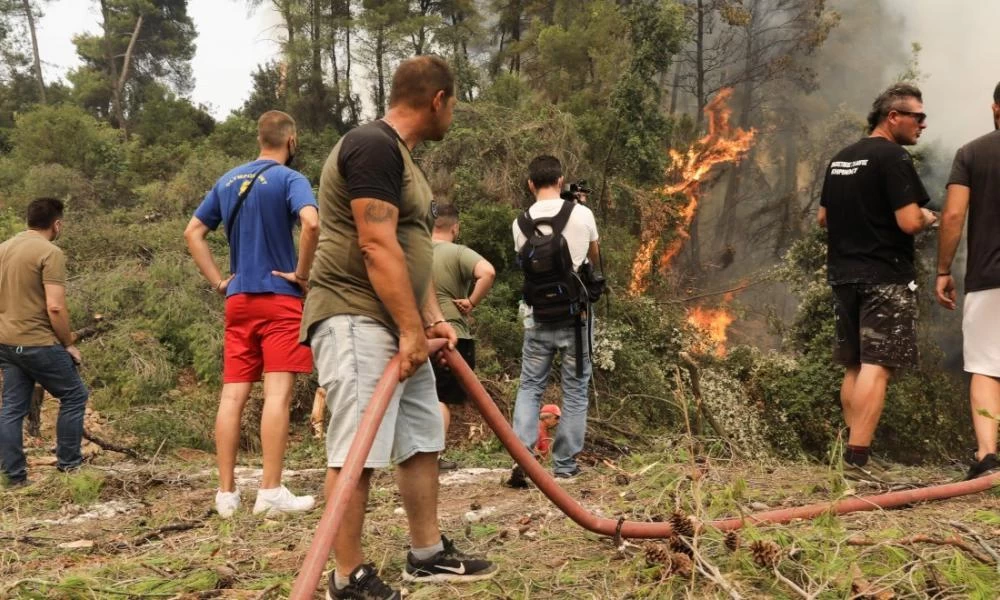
<point>164,544</point>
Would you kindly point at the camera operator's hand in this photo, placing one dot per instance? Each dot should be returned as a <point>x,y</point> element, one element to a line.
<point>464,305</point>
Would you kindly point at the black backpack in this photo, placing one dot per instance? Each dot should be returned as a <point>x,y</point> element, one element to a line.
<point>552,287</point>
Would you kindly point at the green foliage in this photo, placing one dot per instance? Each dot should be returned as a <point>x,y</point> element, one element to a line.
<point>187,189</point>
<point>58,181</point>
<point>10,223</point>
<point>68,136</point>
<point>236,137</point>
<point>484,159</point>
<point>488,227</point>
<point>925,414</point>
<point>84,486</point>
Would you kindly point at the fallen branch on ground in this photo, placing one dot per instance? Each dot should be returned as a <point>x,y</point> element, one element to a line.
<point>267,592</point>
<point>792,585</point>
<point>692,369</point>
<point>106,445</point>
<point>920,538</point>
<point>156,533</point>
<point>979,539</point>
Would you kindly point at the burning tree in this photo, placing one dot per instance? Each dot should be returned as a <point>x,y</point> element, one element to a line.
<point>722,144</point>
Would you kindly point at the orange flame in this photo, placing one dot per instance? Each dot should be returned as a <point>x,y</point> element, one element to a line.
<point>722,144</point>
<point>713,322</point>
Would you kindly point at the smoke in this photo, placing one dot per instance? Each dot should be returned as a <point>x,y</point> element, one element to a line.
<point>960,63</point>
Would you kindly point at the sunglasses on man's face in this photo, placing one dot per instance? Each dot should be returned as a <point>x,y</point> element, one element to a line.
<point>919,116</point>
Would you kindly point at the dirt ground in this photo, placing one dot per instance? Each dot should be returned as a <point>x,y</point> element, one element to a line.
<point>143,529</point>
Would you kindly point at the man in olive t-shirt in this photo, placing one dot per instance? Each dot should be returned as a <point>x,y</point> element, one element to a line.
<point>36,343</point>
<point>371,297</point>
<point>462,278</point>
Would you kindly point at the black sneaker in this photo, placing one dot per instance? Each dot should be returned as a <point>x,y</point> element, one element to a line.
<point>517,479</point>
<point>448,565</point>
<point>989,465</point>
<point>365,585</point>
<point>569,474</point>
<point>16,483</point>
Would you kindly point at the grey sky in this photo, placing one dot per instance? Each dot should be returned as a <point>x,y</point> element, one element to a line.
<point>231,43</point>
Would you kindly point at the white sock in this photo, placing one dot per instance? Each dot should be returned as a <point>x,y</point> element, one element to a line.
<point>340,582</point>
<point>429,551</point>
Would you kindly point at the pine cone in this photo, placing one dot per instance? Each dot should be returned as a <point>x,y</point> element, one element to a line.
<point>732,541</point>
<point>681,564</point>
<point>765,553</point>
<point>679,546</point>
<point>683,524</point>
<point>657,554</point>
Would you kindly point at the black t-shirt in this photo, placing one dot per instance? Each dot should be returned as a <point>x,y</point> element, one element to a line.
<point>367,154</point>
<point>977,166</point>
<point>865,184</point>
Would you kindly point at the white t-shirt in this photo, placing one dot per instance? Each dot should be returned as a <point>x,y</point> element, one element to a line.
<point>581,229</point>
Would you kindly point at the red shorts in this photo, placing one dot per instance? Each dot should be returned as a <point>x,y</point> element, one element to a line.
<point>262,336</point>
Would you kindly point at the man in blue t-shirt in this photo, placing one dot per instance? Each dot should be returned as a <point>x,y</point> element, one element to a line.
<point>258,204</point>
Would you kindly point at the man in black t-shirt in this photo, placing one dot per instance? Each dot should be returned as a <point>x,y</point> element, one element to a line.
<point>973,189</point>
<point>872,206</point>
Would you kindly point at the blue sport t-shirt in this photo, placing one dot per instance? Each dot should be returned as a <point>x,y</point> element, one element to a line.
<point>262,237</point>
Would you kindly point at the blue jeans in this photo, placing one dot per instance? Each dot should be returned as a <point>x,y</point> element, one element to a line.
<point>53,369</point>
<point>540,347</point>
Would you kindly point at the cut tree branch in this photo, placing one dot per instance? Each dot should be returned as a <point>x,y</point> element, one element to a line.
<point>920,538</point>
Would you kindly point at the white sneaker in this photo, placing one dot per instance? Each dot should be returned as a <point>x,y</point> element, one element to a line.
<point>226,503</point>
<point>281,500</point>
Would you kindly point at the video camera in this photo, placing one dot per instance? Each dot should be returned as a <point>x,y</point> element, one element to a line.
<point>573,192</point>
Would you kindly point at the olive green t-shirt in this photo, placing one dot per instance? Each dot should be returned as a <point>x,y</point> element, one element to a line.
<point>27,262</point>
<point>453,277</point>
<point>370,161</point>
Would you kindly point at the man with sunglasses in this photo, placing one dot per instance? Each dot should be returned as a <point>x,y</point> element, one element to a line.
<point>872,206</point>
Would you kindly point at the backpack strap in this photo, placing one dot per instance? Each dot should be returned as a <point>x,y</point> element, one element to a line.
<point>557,222</point>
<point>526,224</point>
<point>241,198</point>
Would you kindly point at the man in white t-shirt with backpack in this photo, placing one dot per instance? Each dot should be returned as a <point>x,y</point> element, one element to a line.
<point>557,269</point>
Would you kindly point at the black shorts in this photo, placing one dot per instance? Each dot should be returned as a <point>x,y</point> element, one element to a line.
<point>448,389</point>
<point>875,324</point>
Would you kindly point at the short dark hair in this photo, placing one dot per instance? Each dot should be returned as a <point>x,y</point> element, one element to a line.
<point>417,80</point>
<point>274,128</point>
<point>544,171</point>
<point>888,101</point>
<point>43,212</point>
<point>445,215</point>
<point>996,94</point>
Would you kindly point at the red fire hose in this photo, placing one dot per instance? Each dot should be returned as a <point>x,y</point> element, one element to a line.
<point>316,558</point>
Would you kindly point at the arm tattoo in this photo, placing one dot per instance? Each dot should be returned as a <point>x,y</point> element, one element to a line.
<point>377,211</point>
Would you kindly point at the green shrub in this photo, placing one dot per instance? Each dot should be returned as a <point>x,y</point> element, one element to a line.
<point>68,136</point>
<point>188,188</point>
<point>925,412</point>
<point>58,181</point>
